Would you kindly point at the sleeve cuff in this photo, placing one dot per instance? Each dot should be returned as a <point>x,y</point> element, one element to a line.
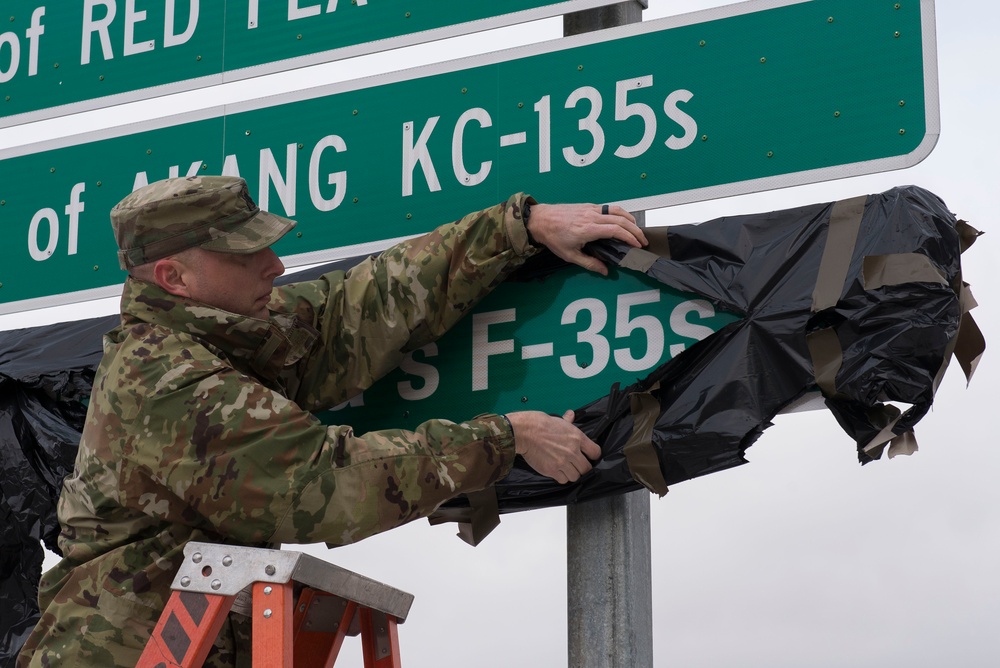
<point>514,228</point>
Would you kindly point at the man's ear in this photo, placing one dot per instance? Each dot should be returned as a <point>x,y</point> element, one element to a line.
<point>173,276</point>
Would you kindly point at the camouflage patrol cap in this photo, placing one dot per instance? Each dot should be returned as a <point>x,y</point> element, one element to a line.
<point>213,212</point>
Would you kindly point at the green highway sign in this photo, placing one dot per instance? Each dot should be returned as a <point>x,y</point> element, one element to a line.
<point>575,331</point>
<point>60,58</point>
<point>687,108</point>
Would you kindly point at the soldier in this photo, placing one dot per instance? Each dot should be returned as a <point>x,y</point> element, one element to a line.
<point>200,424</point>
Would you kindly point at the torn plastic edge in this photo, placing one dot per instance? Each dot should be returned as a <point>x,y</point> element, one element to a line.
<point>475,522</point>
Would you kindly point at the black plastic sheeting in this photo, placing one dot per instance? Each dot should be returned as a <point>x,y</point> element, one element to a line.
<point>700,411</point>
<point>705,407</point>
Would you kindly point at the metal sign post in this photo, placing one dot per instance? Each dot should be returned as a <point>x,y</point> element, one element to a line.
<point>608,547</point>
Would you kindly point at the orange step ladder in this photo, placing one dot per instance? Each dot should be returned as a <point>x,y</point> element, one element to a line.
<point>302,609</point>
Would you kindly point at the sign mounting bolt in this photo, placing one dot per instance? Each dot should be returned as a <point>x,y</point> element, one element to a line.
<point>902,131</point>
<point>897,34</point>
<point>902,103</point>
<point>99,184</point>
<point>830,20</point>
<point>216,585</point>
<point>464,91</point>
<point>409,215</point>
<point>270,569</point>
<point>267,613</point>
<point>524,400</point>
<point>520,105</point>
<point>149,151</point>
<point>298,235</point>
<point>96,267</point>
<point>407,14</point>
<point>836,114</point>
<point>100,78</point>
<point>354,113</point>
<point>185,581</point>
<point>770,154</point>
<point>579,68</point>
<point>763,60</point>
<point>355,200</point>
<point>704,137</point>
<point>702,43</point>
<point>197,58</point>
<point>248,133</point>
<point>52,170</point>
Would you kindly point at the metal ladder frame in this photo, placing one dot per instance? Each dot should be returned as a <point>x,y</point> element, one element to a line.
<point>332,604</point>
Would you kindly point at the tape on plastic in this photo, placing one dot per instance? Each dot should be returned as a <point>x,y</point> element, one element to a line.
<point>841,237</point>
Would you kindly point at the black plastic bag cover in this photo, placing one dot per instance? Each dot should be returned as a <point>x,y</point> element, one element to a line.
<point>861,299</point>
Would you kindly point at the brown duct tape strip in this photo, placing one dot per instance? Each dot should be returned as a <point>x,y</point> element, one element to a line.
<point>475,522</point>
<point>904,444</point>
<point>970,346</point>
<point>827,358</point>
<point>841,236</point>
<point>638,259</point>
<point>899,268</point>
<point>659,241</point>
<point>967,235</point>
<point>639,452</point>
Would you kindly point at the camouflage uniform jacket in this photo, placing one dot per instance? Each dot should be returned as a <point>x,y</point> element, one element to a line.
<point>199,428</point>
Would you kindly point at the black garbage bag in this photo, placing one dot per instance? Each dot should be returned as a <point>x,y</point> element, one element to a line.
<point>45,379</point>
<point>861,300</point>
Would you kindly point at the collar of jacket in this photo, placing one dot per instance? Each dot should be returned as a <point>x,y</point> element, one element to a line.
<point>264,347</point>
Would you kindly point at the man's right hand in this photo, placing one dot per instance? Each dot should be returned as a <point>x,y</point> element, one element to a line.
<point>553,446</point>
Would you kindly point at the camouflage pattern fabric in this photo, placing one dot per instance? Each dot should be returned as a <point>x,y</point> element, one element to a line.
<point>200,428</point>
<point>214,212</point>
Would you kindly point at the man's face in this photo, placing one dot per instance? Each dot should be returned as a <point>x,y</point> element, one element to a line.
<point>236,283</point>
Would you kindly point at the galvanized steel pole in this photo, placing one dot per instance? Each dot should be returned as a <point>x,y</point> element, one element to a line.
<point>610,598</point>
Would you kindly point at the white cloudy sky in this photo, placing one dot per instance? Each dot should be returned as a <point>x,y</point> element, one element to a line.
<point>802,557</point>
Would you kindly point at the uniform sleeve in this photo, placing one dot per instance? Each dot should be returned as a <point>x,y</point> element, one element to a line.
<point>244,462</point>
<point>410,295</point>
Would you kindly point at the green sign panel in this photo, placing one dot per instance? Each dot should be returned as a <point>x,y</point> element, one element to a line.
<point>62,57</point>
<point>564,346</point>
<point>678,110</point>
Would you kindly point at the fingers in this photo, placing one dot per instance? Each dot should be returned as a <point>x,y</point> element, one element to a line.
<point>553,447</point>
<point>622,226</point>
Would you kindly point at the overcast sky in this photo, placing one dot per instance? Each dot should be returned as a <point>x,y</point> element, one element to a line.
<point>800,558</point>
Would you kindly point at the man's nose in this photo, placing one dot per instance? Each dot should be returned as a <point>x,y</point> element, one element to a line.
<point>273,266</point>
